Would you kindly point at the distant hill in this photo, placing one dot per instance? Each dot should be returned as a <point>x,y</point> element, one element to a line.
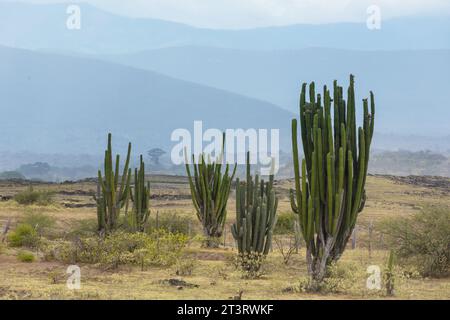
<point>405,162</point>
<point>51,103</point>
<point>411,87</point>
<point>44,27</point>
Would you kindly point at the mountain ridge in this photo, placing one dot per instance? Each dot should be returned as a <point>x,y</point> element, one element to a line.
<point>43,27</point>
<point>68,102</point>
<point>401,80</point>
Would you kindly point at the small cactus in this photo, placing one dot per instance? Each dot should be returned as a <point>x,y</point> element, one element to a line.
<point>389,276</point>
<point>140,196</point>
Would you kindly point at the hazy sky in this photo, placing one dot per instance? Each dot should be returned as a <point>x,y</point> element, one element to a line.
<point>253,13</point>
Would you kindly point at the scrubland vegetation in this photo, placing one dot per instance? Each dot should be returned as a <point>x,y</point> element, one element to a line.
<point>58,235</point>
<point>174,238</point>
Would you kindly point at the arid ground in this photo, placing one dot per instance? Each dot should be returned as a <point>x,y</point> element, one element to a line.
<point>214,275</point>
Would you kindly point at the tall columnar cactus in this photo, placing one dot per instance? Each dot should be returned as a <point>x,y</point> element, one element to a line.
<point>210,189</point>
<point>256,208</point>
<point>140,195</point>
<point>113,194</point>
<point>330,192</point>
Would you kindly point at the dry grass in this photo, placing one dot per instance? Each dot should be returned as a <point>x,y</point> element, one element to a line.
<point>214,274</point>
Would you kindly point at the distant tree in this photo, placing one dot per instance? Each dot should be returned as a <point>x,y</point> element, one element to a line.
<point>11,175</point>
<point>155,154</point>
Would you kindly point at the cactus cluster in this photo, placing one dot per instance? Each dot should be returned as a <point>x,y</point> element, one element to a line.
<point>140,196</point>
<point>114,195</point>
<point>210,189</point>
<point>114,191</point>
<point>256,208</point>
<point>329,193</point>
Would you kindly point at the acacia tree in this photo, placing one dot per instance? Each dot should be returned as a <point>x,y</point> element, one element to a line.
<point>155,154</point>
<point>329,194</point>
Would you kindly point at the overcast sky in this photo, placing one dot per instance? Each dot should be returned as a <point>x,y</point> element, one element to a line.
<point>256,13</point>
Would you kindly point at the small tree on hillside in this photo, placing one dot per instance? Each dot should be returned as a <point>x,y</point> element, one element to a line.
<point>155,154</point>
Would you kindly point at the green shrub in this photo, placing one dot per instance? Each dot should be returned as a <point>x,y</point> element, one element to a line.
<point>24,236</point>
<point>165,248</point>
<point>422,240</point>
<point>31,196</point>
<point>25,256</point>
<point>171,222</point>
<point>159,249</point>
<point>59,250</point>
<point>285,223</point>
<point>84,228</point>
<point>250,264</point>
<point>41,222</point>
<point>341,278</point>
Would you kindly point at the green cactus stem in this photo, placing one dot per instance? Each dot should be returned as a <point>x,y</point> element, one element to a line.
<point>114,190</point>
<point>256,209</point>
<point>210,190</point>
<point>330,191</point>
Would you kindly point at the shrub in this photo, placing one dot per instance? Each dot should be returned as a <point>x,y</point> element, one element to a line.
<point>25,256</point>
<point>166,248</point>
<point>31,196</point>
<point>340,278</point>
<point>84,228</point>
<point>285,223</point>
<point>42,223</point>
<point>24,236</point>
<point>120,248</point>
<point>185,266</point>
<point>422,240</point>
<point>60,250</point>
<point>250,264</point>
<point>286,252</point>
<point>171,222</point>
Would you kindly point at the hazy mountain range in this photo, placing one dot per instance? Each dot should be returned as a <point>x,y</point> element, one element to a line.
<point>403,81</point>
<point>62,90</point>
<point>51,102</point>
<point>44,27</point>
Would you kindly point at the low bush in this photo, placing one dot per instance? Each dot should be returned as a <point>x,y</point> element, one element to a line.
<point>159,249</point>
<point>24,235</point>
<point>41,222</point>
<point>84,228</point>
<point>285,223</point>
<point>171,222</point>
<point>25,256</point>
<point>30,196</point>
<point>185,266</point>
<point>250,264</point>
<point>340,278</point>
<point>422,240</point>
